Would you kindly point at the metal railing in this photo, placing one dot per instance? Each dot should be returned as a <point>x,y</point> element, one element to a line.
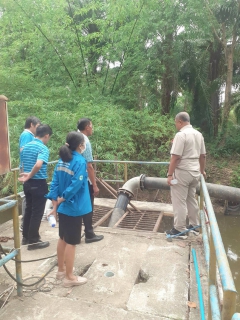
<point>216,259</point>
<point>125,163</point>
<point>13,206</point>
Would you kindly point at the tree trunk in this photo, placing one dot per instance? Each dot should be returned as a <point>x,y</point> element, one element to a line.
<point>228,88</point>
<point>167,87</point>
<point>214,71</point>
<point>167,83</point>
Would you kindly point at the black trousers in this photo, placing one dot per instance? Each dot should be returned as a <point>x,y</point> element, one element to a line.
<point>34,191</point>
<point>87,218</point>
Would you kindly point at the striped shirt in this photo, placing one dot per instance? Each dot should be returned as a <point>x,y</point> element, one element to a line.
<point>25,137</point>
<point>33,151</point>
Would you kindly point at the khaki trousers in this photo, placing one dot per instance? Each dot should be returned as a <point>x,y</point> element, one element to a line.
<point>183,199</point>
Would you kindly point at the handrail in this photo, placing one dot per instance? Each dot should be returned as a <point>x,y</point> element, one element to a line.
<point>13,205</point>
<point>95,161</point>
<point>215,255</point>
<point>199,287</point>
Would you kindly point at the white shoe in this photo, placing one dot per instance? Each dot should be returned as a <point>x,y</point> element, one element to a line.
<point>77,282</point>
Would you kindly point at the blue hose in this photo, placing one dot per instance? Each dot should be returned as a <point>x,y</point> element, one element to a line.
<point>200,296</point>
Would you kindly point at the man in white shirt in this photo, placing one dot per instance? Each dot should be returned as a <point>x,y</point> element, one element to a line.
<point>188,158</point>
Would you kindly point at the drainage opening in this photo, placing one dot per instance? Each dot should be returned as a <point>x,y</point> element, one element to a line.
<point>109,274</point>
<point>142,277</point>
<point>85,269</point>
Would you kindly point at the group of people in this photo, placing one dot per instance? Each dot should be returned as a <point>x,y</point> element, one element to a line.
<point>73,186</point>
<point>72,191</point>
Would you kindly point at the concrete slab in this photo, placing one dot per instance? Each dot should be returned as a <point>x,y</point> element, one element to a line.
<point>42,307</point>
<point>165,292</point>
<point>151,278</point>
<point>150,206</point>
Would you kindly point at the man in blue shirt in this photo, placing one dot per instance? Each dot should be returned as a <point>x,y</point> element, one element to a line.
<point>86,128</point>
<point>26,136</point>
<point>34,158</point>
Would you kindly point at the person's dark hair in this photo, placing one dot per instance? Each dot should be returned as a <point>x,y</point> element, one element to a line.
<point>82,123</point>
<point>73,140</point>
<point>184,116</point>
<point>33,120</point>
<point>42,130</point>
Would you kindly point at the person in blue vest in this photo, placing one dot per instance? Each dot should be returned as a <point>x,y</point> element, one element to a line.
<point>71,200</point>
<point>26,136</point>
<point>35,158</point>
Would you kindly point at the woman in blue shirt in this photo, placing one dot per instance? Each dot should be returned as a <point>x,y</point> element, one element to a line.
<point>70,196</point>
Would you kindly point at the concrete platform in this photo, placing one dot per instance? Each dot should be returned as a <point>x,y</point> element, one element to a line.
<point>153,278</point>
<point>141,205</point>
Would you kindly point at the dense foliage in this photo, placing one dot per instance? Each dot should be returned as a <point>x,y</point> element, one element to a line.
<point>129,65</point>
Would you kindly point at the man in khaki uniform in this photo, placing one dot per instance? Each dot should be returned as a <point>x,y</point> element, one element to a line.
<point>188,158</point>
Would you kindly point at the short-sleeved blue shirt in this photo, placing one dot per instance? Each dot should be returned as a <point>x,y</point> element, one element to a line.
<point>33,151</point>
<point>25,137</point>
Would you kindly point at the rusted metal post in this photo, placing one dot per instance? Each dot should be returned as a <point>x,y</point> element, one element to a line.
<point>15,184</point>
<point>13,205</point>
<point>116,172</point>
<point>125,172</point>
<point>4,137</point>
<point>16,234</point>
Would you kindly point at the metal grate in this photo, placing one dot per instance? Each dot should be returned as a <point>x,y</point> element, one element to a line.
<point>145,220</point>
<point>99,212</point>
<point>133,220</point>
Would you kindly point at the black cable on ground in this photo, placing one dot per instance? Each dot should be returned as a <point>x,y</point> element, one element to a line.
<point>41,279</point>
<point>25,261</point>
<point>27,285</point>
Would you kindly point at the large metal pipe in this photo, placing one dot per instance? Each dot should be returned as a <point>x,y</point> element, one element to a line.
<point>215,190</point>
<point>126,193</point>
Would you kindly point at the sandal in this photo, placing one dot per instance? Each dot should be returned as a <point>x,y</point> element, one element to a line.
<point>78,281</point>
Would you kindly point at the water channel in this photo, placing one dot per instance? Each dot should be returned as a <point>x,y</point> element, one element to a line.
<point>229,226</point>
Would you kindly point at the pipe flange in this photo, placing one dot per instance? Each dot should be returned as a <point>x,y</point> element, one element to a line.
<point>127,192</point>
<point>142,179</point>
